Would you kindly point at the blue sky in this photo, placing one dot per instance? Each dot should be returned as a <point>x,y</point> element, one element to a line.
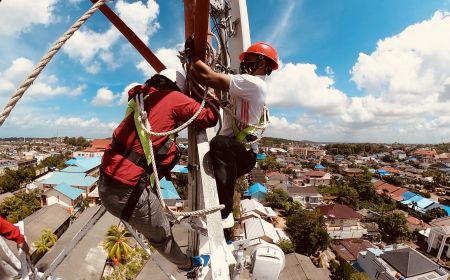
<point>352,70</point>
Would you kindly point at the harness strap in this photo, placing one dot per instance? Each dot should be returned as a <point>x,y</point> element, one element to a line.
<point>248,133</point>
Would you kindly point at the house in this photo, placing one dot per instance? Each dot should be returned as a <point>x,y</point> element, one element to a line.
<point>300,267</point>
<point>319,167</point>
<point>342,222</point>
<point>90,166</point>
<point>64,195</point>
<point>317,178</point>
<point>391,170</point>
<point>76,180</point>
<point>439,236</point>
<point>275,178</point>
<point>257,175</point>
<point>349,249</point>
<point>309,197</point>
<point>352,172</point>
<point>252,208</point>
<point>385,188</point>
<point>399,262</point>
<point>256,191</point>
<point>259,228</point>
<point>8,164</point>
<point>97,149</point>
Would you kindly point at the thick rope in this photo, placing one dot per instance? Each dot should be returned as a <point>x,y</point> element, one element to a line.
<point>45,60</point>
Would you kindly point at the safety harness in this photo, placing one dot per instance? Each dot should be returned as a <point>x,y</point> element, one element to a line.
<point>144,161</point>
<point>248,134</point>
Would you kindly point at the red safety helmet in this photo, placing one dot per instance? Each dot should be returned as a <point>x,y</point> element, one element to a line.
<point>263,49</point>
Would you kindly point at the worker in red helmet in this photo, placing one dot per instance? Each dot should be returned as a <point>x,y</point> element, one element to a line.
<point>11,232</point>
<point>126,187</point>
<point>247,92</point>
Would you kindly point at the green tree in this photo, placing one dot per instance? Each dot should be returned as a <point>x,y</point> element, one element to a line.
<point>359,276</point>
<point>276,198</point>
<point>116,243</point>
<point>291,207</point>
<point>348,196</point>
<point>435,213</point>
<point>393,227</point>
<point>307,231</point>
<point>287,246</point>
<point>20,206</point>
<point>136,261</point>
<point>269,163</point>
<point>46,242</point>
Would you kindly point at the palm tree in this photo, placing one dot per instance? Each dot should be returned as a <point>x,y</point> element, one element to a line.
<point>116,243</point>
<point>48,239</point>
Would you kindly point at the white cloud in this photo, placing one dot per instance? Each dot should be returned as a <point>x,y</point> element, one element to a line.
<point>92,123</point>
<point>124,95</point>
<point>140,17</point>
<point>92,48</point>
<point>167,56</point>
<point>104,97</point>
<point>45,86</point>
<point>298,85</point>
<point>17,16</point>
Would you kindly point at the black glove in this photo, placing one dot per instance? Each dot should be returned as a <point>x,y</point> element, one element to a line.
<point>189,49</point>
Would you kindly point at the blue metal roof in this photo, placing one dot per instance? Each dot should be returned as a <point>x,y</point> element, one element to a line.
<point>415,198</point>
<point>256,187</point>
<point>408,195</point>
<point>319,166</point>
<point>85,163</point>
<point>73,169</point>
<point>70,192</point>
<point>425,202</point>
<point>180,169</point>
<point>260,156</point>
<point>72,179</point>
<point>446,208</point>
<point>168,189</point>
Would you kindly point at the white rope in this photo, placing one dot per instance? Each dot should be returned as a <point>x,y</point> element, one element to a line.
<point>45,60</point>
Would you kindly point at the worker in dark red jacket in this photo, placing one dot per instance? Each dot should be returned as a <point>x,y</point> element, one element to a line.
<point>11,232</point>
<point>125,169</point>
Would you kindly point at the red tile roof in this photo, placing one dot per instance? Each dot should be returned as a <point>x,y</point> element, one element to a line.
<point>100,143</point>
<point>391,169</point>
<point>315,173</point>
<point>398,194</point>
<point>426,153</point>
<point>383,188</point>
<point>338,211</point>
<point>349,249</point>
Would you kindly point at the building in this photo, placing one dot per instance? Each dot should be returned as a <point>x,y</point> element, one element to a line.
<point>97,149</point>
<point>64,195</point>
<point>439,236</point>
<point>8,164</point>
<point>77,180</point>
<point>253,208</point>
<point>399,262</point>
<point>257,175</point>
<point>256,191</point>
<point>352,172</point>
<point>299,151</point>
<point>309,197</point>
<point>349,249</point>
<point>300,267</point>
<point>317,178</point>
<point>342,222</point>
<point>90,166</point>
<point>258,228</point>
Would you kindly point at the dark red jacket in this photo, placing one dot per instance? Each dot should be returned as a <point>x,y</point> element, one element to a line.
<point>166,111</point>
<point>10,231</point>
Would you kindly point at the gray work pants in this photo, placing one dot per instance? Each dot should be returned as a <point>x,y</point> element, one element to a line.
<point>147,217</point>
